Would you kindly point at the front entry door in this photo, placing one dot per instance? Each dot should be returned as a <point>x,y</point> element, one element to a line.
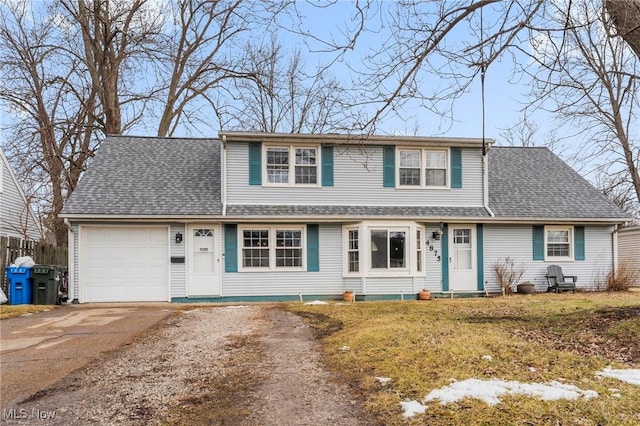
<point>204,260</point>
<point>462,258</point>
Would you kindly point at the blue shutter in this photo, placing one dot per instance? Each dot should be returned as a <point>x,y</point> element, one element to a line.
<point>578,239</point>
<point>445,257</point>
<point>480,253</point>
<point>538,243</point>
<point>231,248</point>
<point>327,166</point>
<point>255,163</point>
<point>313,248</point>
<point>456,168</point>
<point>389,166</point>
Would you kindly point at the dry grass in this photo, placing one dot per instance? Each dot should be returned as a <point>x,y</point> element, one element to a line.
<point>422,345</point>
<point>10,311</point>
<point>622,278</point>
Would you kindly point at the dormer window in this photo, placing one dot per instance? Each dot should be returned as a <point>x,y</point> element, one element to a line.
<point>423,168</point>
<point>291,165</point>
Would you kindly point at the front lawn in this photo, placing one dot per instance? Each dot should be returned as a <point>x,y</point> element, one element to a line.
<point>423,346</point>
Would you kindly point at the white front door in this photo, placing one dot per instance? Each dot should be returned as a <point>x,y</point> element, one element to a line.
<point>462,258</point>
<point>203,259</point>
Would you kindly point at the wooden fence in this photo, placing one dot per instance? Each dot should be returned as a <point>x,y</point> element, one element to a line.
<point>42,254</point>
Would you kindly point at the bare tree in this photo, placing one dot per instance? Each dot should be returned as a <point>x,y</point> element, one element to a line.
<point>42,90</point>
<point>589,78</point>
<point>282,97</point>
<point>195,61</point>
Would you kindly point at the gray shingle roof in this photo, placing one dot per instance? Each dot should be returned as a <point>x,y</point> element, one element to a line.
<point>535,183</point>
<point>150,176</point>
<point>181,177</point>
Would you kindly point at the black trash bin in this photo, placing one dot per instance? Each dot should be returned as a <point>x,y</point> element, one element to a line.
<point>46,284</point>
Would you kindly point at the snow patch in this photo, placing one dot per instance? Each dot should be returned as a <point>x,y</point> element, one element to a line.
<point>411,408</point>
<point>487,357</point>
<point>491,392</point>
<point>316,302</point>
<point>383,380</point>
<point>628,376</point>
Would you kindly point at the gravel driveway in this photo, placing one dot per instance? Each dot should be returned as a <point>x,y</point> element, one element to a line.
<point>245,365</point>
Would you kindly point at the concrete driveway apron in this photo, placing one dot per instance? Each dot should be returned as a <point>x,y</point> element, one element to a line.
<point>38,350</point>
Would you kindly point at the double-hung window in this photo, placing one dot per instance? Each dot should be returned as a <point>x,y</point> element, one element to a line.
<point>558,243</point>
<point>423,168</point>
<point>266,248</point>
<point>292,165</point>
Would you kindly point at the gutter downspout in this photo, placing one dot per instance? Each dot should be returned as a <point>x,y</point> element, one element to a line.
<point>614,241</point>
<point>223,180</point>
<point>71,256</point>
<point>485,184</point>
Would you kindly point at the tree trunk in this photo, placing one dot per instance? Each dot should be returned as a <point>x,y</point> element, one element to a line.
<point>625,15</point>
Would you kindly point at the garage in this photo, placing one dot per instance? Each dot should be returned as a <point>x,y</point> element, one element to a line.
<point>124,263</point>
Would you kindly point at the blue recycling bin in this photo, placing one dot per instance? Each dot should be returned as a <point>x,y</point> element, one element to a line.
<point>20,285</point>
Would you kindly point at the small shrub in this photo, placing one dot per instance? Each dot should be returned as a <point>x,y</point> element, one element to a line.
<point>622,278</point>
<point>508,274</point>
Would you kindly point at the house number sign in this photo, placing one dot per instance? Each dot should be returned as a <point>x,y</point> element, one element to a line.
<point>433,249</point>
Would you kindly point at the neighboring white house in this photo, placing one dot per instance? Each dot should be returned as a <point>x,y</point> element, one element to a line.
<point>17,220</point>
<point>629,249</point>
<point>264,216</point>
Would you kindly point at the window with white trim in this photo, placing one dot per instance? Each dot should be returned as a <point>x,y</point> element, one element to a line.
<point>266,248</point>
<point>353,252</point>
<point>423,168</point>
<point>558,242</point>
<point>292,165</point>
<point>383,248</point>
<point>419,250</point>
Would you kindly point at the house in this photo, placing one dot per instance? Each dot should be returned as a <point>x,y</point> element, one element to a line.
<point>629,250</point>
<point>17,220</point>
<point>263,216</point>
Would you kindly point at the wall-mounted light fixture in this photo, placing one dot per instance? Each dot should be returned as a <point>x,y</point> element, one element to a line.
<point>178,238</point>
<point>437,234</point>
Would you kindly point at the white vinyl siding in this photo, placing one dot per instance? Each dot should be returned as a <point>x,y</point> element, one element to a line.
<point>178,270</point>
<point>16,219</point>
<point>358,180</point>
<point>629,250</point>
<point>327,281</point>
<point>516,241</point>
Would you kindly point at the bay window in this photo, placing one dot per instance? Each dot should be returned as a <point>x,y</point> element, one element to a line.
<point>375,248</point>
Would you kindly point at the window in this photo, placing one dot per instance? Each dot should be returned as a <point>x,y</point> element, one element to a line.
<point>269,248</point>
<point>419,250</point>
<point>388,249</point>
<point>353,251</point>
<point>280,171</point>
<point>410,168</point>
<point>288,248</point>
<point>277,165</point>
<point>426,168</point>
<point>435,168</point>
<point>380,248</point>
<point>558,242</point>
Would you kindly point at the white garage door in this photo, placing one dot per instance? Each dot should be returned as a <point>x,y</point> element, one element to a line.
<point>124,264</point>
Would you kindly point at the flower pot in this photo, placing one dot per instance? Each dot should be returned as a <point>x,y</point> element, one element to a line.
<point>424,295</point>
<point>526,288</point>
<point>348,296</point>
